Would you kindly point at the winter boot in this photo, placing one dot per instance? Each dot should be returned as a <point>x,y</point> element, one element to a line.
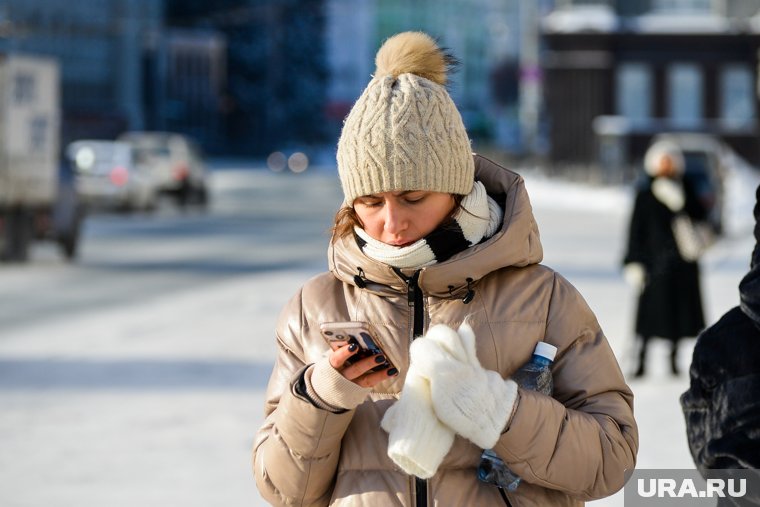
<point>674,360</point>
<point>641,369</point>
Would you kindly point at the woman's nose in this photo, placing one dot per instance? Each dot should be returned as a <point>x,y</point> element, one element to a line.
<point>395,219</point>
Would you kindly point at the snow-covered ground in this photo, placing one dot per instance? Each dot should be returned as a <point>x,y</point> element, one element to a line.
<point>156,402</point>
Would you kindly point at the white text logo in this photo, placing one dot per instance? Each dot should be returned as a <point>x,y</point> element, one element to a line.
<point>662,488</point>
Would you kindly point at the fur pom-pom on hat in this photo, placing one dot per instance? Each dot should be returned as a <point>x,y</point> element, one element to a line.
<point>404,132</point>
<point>413,53</point>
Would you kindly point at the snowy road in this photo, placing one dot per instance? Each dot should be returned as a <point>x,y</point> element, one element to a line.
<point>136,376</point>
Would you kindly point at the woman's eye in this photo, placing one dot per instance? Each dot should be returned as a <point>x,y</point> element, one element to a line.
<point>372,204</point>
<point>415,199</point>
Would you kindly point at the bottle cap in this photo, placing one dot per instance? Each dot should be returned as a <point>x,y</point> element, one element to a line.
<point>546,350</point>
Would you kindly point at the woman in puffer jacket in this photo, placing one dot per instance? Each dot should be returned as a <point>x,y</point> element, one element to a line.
<point>436,250</point>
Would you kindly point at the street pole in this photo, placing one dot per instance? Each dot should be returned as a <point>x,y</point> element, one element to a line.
<point>530,76</point>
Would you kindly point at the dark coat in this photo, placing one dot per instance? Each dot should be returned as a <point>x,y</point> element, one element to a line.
<point>722,405</point>
<point>670,304</point>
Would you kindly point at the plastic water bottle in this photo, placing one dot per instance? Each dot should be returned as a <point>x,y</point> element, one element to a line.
<point>535,375</point>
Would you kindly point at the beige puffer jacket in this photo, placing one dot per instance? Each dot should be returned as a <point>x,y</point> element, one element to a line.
<point>573,447</point>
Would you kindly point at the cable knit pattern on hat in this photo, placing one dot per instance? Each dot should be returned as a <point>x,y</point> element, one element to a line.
<point>404,132</point>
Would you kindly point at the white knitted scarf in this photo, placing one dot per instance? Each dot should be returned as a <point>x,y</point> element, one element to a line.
<point>478,218</point>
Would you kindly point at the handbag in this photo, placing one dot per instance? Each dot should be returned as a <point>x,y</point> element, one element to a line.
<point>693,238</point>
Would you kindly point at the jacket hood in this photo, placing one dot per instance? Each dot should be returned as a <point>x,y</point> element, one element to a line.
<point>749,287</point>
<point>516,243</point>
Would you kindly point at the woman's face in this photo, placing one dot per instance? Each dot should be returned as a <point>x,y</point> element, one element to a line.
<point>666,167</point>
<point>403,217</point>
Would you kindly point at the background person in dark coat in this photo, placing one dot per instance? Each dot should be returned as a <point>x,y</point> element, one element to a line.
<point>660,264</point>
<point>722,405</point>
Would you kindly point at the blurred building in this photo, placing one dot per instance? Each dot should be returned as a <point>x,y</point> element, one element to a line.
<point>276,82</point>
<point>350,38</point>
<point>485,35</point>
<point>244,76</point>
<point>618,73</point>
<point>100,45</point>
<point>186,85</point>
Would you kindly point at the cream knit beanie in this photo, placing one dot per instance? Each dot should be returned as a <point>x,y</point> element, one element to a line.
<point>404,132</point>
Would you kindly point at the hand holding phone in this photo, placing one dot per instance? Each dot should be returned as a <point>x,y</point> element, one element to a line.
<point>338,333</point>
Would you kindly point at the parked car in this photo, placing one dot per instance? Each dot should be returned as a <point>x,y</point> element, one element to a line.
<point>175,161</point>
<point>108,177</point>
<point>706,160</point>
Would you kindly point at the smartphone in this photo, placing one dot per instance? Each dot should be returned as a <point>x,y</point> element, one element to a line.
<point>337,333</point>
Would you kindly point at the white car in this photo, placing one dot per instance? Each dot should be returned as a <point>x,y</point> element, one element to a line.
<point>175,161</point>
<point>107,176</point>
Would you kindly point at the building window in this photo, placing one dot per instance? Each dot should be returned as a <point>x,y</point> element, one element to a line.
<point>24,88</point>
<point>737,104</point>
<point>682,5</point>
<point>685,88</point>
<point>634,85</point>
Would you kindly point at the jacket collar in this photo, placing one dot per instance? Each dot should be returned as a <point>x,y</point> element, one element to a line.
<point>749,287</point>
<point>516,244</point>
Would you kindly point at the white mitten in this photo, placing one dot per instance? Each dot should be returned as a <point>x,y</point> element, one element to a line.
<point>635,274</point>
<point>417,440</point>
<point>474,402</point>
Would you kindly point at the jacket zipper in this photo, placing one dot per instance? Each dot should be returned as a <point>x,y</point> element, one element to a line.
<point>504,497</point>
<point>416,304</point>
<point>420,492</point>
<point>414,298</point>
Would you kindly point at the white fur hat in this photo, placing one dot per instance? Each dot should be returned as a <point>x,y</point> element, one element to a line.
<point>659,150</point>
<point>404,132</point>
